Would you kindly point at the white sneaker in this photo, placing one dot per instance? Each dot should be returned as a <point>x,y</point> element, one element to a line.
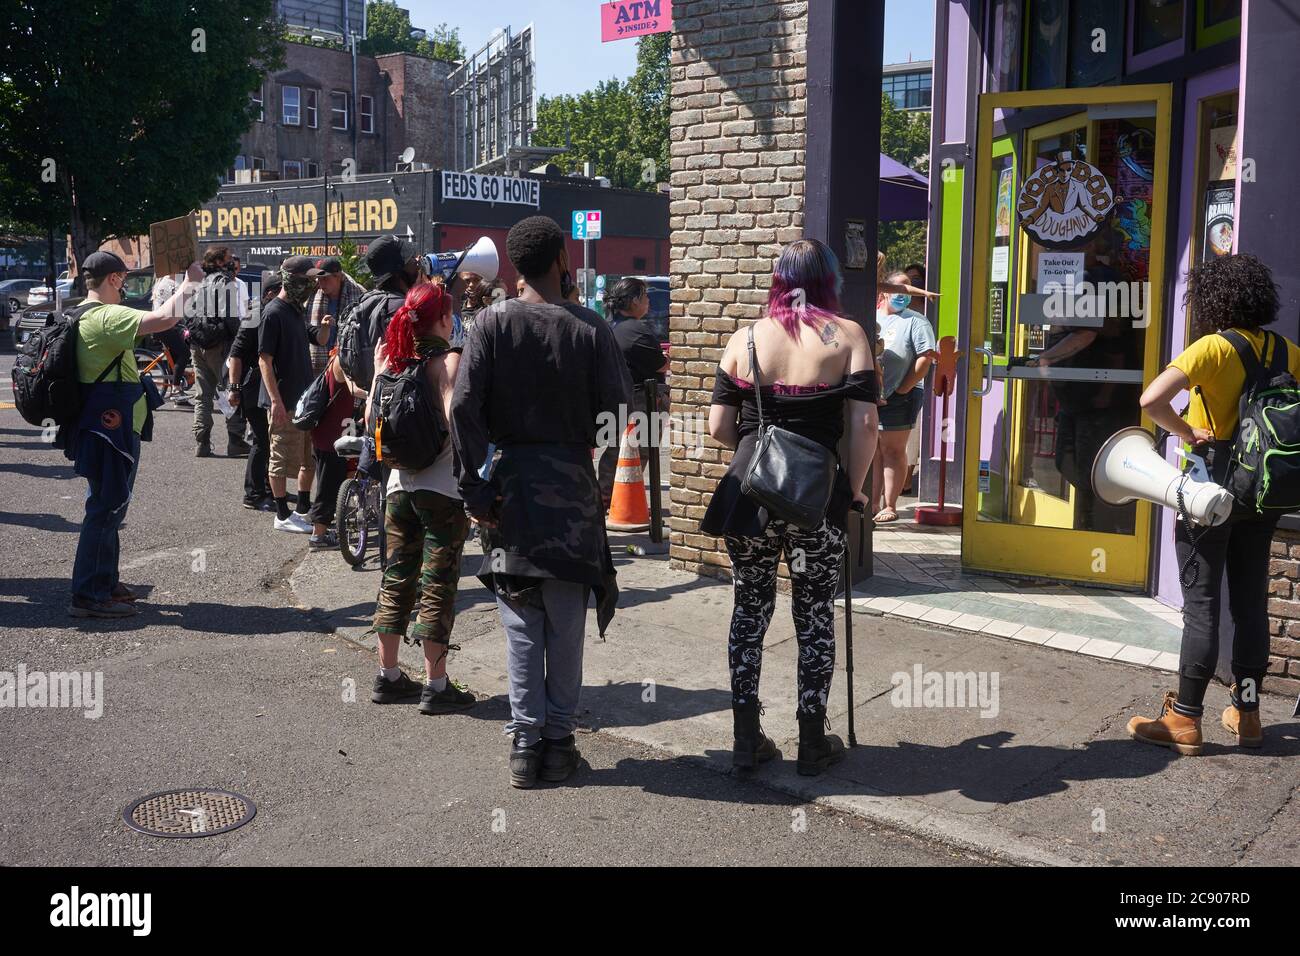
<point>295,524</point>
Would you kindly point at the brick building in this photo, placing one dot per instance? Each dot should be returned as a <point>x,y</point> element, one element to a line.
<point>311,119</point>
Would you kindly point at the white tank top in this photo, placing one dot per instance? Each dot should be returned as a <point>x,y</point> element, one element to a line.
<point>437,477</point>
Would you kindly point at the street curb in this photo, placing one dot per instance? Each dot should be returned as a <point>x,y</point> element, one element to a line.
<point>895,813</point>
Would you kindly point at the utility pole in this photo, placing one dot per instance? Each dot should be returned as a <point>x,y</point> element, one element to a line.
<point>586,252</point>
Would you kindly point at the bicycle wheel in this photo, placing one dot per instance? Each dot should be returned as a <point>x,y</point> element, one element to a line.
<point>375,524</point>
<point>160,370</point>
<point>350,522</point>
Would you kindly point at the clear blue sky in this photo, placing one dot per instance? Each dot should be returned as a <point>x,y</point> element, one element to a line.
<point>571,58</point>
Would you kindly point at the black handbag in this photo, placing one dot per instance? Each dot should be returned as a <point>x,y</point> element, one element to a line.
<point>789,475</point>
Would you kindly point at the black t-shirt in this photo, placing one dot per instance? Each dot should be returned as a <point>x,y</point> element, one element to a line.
<point>640,347</point>
<point>283,336</point>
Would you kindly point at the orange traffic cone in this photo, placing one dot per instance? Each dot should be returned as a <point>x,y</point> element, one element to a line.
<point>627,507</point>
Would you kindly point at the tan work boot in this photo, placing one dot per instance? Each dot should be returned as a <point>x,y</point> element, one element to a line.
<point>1170,729</point>
<point>1244,725</point>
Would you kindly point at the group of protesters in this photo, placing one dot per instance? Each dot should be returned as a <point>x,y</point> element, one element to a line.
<point>545,555</point>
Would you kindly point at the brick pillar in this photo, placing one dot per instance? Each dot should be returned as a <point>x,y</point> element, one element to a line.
<point>739,73</point>
<point>1284,614</point>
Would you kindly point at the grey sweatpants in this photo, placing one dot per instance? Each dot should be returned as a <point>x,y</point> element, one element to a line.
<point>544,659</point>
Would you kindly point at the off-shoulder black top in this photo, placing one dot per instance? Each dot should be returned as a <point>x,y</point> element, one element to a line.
<point>814,411</point>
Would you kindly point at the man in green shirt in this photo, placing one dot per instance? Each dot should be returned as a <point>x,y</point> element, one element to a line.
<point>105,442</point>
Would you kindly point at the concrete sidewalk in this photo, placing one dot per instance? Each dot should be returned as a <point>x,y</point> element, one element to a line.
<point>1048,775</point>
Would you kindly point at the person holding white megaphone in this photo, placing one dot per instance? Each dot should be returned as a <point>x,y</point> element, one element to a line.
<point>1231,299</point>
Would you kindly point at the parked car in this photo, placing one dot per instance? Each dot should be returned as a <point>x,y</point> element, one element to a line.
<point>40,294</point>
<point>13,295</point>
<point>136,293</point>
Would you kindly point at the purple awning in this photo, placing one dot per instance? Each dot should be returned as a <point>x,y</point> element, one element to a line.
<point>904,193</point>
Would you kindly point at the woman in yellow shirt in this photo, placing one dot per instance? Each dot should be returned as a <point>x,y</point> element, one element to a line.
<point>1230,293</point>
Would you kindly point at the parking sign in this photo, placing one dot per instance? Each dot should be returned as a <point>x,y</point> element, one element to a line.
<point>586,224</point>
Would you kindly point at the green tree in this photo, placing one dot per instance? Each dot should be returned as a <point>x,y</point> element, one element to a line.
<point>388,30</point>
<point>904,136</point>
<point>115,115</point>
<point>621,128</point>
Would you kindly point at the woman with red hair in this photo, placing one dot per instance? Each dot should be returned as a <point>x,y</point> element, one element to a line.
<point>424,519</point>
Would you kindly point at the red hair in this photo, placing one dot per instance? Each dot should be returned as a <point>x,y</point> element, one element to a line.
<point>422,310</point>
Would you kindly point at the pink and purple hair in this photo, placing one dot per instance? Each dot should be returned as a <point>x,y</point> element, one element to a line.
<point>806,286</point>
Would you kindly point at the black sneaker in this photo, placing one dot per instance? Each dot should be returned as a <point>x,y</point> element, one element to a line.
<point>445,701</point>
<point>559,759</point>
<point>524,764</point>
<point>400,691</point>
<point>204,450</point>
<point>238,450</point>
<point>260,504</point>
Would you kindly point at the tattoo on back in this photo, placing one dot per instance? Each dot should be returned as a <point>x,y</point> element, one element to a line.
<point>828,334</point>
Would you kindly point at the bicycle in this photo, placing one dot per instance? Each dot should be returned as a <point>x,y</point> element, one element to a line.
<point>159,366</point>
<point>359,511</point>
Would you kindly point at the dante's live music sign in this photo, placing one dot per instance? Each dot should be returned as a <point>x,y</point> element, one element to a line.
<point>623,19</point>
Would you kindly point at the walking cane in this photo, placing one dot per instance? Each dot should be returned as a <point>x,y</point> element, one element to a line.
<point>848,615</point>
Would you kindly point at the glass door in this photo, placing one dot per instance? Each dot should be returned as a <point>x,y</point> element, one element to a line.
<point>1065,328</point>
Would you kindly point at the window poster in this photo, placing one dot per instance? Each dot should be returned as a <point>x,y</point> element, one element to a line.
<point>1220,219</point>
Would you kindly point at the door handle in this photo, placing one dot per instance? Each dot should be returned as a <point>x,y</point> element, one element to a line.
<point>988,372</point>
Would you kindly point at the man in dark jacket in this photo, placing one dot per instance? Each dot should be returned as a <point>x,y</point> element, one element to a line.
<point>539,508</point>
<point>245,388</point>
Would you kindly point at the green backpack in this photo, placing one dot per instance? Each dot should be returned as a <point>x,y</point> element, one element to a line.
<point>1264,467</point>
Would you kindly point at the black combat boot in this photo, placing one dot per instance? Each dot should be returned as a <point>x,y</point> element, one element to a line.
<point>752,746</point>
<point>817,749</point>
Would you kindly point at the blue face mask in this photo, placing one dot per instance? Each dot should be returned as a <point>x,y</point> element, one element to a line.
<point>900,301</point>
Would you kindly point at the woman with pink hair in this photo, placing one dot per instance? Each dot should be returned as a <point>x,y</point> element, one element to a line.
<point>811,361</point>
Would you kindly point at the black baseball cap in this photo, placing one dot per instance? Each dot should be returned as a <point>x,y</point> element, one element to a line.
<point>101,264</point>
<point>329,266</point>
<point>300,266</point>
<point>385,257</point>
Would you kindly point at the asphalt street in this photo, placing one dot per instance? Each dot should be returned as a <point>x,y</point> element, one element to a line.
<point>221,682</point>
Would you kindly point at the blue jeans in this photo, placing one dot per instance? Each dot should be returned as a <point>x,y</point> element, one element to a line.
<point>94,572</point>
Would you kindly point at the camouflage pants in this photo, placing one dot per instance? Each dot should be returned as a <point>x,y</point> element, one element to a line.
<point>814,560</point>
<point>426,533</point>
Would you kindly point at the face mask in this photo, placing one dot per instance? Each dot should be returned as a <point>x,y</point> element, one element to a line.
<point>297,289</point>
<point>230,269</point>
<point>899,301</point>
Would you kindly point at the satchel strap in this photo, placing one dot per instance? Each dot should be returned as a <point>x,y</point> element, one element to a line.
<point>753,377</point>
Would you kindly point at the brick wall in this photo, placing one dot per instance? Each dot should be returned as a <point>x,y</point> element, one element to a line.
<point>1284,614</point>
<point>412,107</point>
<point>739,71</point>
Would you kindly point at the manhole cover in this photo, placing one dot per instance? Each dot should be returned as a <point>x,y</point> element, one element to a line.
<point>189,813</point>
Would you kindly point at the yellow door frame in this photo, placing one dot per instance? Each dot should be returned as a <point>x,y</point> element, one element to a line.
<point>1063,553</point>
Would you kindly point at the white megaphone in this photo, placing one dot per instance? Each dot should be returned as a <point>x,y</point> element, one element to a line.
<point>480,259</point>
<point>1128,467</point>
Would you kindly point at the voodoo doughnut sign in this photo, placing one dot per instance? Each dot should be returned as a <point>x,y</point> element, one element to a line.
<point>1062,204</point>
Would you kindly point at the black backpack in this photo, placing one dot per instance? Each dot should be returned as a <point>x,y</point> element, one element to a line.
<point>215,312</point>
<point>1264,466</point>
<point>360,330</point>
<point>46,384</point>
<point>406,420</point>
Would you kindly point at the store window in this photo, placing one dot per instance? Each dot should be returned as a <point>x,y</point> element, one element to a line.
<point>1075,43</point>
<point>1155,23</point>
<point>1005,29</point>
<point>1216,21</point>
<point>290,105</point>
<point>1216,165</point>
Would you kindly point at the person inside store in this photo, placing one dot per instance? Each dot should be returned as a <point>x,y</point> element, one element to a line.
<point>1089,412</point>
<point>907,353</point>
<point>1232,293</point>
